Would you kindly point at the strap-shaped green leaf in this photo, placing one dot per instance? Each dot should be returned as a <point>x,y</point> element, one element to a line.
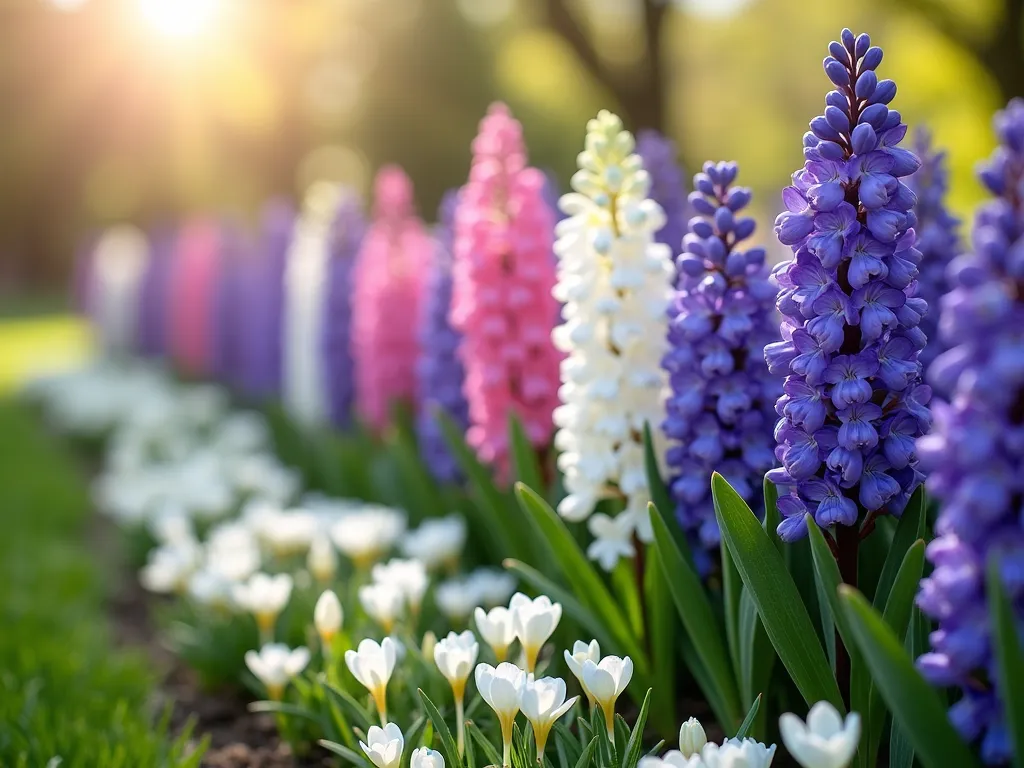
<point>748,721</point>
<point>525,462</point>
<point>912,701</point>
<point>1010,658</point>
<point>699,619</point>
<point>775,594</point>
<point>907,531</point>
<point>451,756</point>
<point>631,755</point>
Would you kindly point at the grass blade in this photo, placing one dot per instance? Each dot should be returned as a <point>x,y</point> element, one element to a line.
<point>1010,657</point>
<point>749,719</point>
<point>452,757</point>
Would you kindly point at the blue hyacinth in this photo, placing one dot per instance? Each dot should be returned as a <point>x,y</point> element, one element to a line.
<point>719,413</point>
<point>853,401</point>
<point>975,453</point>
<point>344,239</point>
<point>937,238</point>
<point>439,370</point>
<point>659,158</point>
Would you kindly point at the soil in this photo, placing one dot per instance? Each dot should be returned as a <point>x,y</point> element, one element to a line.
<point>238,738</point>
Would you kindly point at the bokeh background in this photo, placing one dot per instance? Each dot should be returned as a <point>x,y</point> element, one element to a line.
<point>148,110</point>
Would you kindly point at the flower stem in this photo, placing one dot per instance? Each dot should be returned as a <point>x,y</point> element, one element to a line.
<point>460,725</point>
<point>506,739</point>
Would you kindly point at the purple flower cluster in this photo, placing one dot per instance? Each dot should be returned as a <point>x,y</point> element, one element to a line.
<point>229,309</point>
<point>659,158</point>
<point>345,238</point>
<point>975,453</point>
<point>439,370</point>
<point>153,333</point>
<point>720,411</point>
<point>853,402</point>
<point>937,238</point>
<point>263,287</point>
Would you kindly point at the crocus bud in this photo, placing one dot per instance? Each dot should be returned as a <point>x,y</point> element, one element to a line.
<point>322,560</point>
<point>384,745</point>
<point>327,616</point>
<point>692,737</point>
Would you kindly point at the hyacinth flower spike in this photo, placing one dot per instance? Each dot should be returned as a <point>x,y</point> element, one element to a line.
<point>719,414</point>
<point>974,454</point>
<point>853,398</point>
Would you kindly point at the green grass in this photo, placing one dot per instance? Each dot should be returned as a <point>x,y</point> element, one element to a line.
<point>67,696</point>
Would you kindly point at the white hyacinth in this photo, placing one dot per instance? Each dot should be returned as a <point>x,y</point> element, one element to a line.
<point>615,284</point>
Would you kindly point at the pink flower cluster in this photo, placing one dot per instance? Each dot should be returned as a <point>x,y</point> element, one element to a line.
<point>389,277</point>
<point>503,275</point>
<point>193,286</point>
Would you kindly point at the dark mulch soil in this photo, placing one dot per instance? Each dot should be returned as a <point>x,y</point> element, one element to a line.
<point>238,738</point>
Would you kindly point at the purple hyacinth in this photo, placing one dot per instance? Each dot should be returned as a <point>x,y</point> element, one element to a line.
<point>439,370</point>
<point>975,453</point>
<point>229,311</point>
<point>853,401</point>
<point>154,294</point>
<point>346,235</point>
<point>937,238</point>
<point>720,411</point>
<point>659,157</point>
<point>263,287</point>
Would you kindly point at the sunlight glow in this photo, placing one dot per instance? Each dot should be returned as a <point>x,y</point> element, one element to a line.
<point>178,19</point>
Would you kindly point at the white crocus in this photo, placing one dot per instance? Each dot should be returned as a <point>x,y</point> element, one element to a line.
<point>456,599</point>
<point>543,702</point>
<point>327,618</point>
<point>692,737</point>
<point>383,603</point>
<point>384,745</point>
<point>169,568</point>
<point>582,652</point>
<point>372,664</point>
<point>495,627</point>
<point>368,533</point>
<point>322,559</point>
<point>533,622</point>
<point>276,665</point>
<point>437,543</point>
<point>605,681</point>
<point>409,576</point>
<point>494,586</point>
<point>264,596</point>
<point>613,538</point>
<point>455,656</point>
<point>425,757</point>
<point>734,753</point>
<point>502,688</point>
<point>824,741</point>
<point>210,588</point>
<point>671,759</point>
<point>614,282</point>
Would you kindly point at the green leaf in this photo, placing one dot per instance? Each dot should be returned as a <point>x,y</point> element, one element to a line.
<point>580,574</point>
<point>757,659</point>
<point>732,587</point>
<point>749,719</point>
<point>1010,657</point>
<point>353,757</point>
<point>662,629</point>
<point>572,607</point>
<point>655,484</point>
<point>495,516</point>
<point>906,533</point>
<point>777,599</point>
<point>525,462</point>
<point>897,615</point>
<point>490,753</point>
<point>451,757</point>
<point>699,619</point>
<point>284,708</point>
<point>628,591</point>
<point>631,756</point>
<point>912,701</point>
<point>357,713</point>
<point>771,513</point>
<point>587,755</point>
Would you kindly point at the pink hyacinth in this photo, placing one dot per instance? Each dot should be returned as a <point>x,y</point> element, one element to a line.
<point>193,286</point>
<point>388,284</point>
<point>503,275</point>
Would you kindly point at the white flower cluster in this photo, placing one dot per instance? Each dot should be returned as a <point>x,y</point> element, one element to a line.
<point>615,284</point>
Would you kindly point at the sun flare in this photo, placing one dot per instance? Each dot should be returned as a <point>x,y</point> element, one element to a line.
<point>178,19</point>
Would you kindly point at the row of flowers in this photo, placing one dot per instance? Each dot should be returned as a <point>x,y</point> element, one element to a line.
<point>591,336</point>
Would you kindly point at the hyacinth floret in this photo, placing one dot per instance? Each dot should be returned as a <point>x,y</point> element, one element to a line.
<point>614,282</point>
<point>503,273</point>
<point>343,241</point>
<point>388,276</point>
<point>937,237</point>
<point>439,370</point>
<point>975,453</point>
<point>660,160</point>
<point>720,412</point>
<point>853,401</point>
